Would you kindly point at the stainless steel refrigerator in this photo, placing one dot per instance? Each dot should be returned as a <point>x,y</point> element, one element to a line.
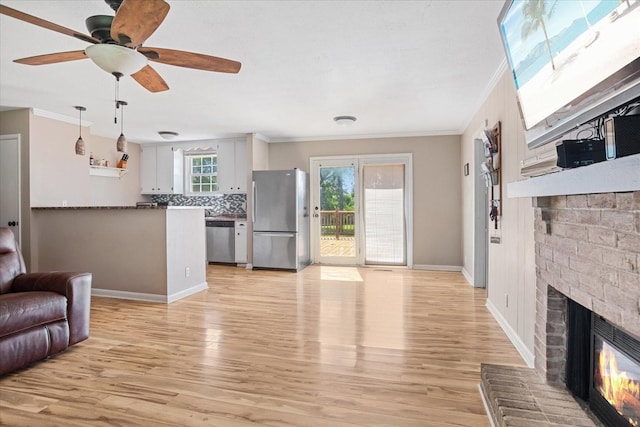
<point>281,219</point>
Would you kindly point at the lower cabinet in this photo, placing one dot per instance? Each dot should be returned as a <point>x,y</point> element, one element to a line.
<point>241,241</point>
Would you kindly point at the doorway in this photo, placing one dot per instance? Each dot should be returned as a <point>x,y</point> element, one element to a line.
<point>10,183</point>
<point>335,215</point>
<point>361,210</point>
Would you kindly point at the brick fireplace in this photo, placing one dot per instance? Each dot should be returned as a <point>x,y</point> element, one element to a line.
<point>587,251</point>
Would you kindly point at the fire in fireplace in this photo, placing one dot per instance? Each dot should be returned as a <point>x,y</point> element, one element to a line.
<point>603,367</point>
<point>616,375</point>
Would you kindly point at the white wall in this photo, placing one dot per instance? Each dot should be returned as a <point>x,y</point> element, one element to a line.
<point>511,269</point>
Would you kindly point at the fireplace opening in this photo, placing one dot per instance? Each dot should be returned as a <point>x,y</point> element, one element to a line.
<point>602,367</point>
<point>614,394</point>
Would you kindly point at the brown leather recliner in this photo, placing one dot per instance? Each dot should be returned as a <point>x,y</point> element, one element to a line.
<point>41,314</point>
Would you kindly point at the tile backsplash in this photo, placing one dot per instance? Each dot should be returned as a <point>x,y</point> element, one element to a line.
<point>216,205</point>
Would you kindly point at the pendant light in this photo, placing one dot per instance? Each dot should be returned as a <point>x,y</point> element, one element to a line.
<point>121,144</point>
<point>80,145</point>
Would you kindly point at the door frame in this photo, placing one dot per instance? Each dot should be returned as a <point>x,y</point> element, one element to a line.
<point>314,167</point>
<point>16,137</point>
<point>360,160</point>
<point>481,219</point>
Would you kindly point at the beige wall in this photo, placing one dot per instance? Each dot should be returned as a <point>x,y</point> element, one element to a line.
<point>437,172</point>
<point>511,264</point>
<point>58,174</point>
<point>52,172</point>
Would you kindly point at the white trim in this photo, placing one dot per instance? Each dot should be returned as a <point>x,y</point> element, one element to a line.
<point>495,78</point>
<point>525,353</point>
<point>139,296</point>
<point>371,136</point>
<point>261,137</point>
<point>186,292</point>
<point>18,138</point>
<point>467,276</point>
<point>611,176</point>
<point>457,268</point>
<point>486,406</point>
<point>59,117</point>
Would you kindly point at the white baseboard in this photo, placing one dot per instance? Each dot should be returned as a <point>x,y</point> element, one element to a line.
<point>437,267</point>
<point>526,354</point>
<point>189,291</point>
<point>467,276</point>
<point>140,296</point>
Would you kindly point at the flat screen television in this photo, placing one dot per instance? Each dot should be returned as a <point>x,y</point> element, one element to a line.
<point>572,61</point>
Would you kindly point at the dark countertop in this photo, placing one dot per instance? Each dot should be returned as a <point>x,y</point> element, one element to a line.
<point>112,207</point>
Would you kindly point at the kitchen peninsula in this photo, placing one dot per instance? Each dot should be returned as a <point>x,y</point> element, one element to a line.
<point>152,253</point>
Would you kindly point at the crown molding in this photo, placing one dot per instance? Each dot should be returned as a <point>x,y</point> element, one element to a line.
<point>491,85</point>
<point>59,117</point>
<point>371,136</point>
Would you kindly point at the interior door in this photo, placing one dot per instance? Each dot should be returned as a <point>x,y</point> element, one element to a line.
<point>10,183</point>
<point>335,214</point>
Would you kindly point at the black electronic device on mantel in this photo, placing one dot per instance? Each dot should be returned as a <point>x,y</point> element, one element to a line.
<point>573,153</point>
<point>622,136</point>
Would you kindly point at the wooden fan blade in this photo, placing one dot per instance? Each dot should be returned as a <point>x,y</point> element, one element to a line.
<point>46,24</point>
<point>198,61</point>
<point>150,79</point>
<point>53,58</point>
<point>136,20</point>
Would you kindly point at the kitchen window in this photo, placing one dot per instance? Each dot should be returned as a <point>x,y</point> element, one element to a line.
<point>202,174</point>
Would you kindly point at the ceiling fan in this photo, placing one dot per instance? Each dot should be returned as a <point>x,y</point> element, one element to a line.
<point>116,43</point>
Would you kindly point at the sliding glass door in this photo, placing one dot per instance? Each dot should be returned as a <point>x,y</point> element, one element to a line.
<point>361,210</point>
<point>384,214</point>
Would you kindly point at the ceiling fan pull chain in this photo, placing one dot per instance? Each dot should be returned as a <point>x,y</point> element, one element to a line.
<point>115,112</point>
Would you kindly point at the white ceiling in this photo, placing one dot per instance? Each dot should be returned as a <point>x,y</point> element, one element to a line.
<point>400,67</point>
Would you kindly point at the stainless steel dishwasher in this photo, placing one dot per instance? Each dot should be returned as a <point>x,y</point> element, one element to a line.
<point>220,241</point>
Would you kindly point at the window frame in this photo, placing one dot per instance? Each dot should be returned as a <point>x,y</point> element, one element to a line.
<point>188,172</point>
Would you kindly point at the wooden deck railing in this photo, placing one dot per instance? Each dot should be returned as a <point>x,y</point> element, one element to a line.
<point>337,223</point>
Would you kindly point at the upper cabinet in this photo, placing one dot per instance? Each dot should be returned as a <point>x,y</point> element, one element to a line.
<point>232,167</point>
<point>161,169</point>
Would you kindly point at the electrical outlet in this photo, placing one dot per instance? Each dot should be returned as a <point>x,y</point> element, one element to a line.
<point>64,204</point>
<point>187,272</point>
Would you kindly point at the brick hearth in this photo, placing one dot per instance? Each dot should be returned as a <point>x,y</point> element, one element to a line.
<point>588,250</point>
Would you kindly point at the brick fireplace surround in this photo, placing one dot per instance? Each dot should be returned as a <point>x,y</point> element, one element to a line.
<point>588,250</point>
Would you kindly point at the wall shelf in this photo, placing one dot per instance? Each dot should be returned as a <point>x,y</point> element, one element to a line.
<point>107,171</point>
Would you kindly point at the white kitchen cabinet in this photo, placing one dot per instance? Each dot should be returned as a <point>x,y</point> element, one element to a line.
<point>241,242</point>
<point>161,169</point>
<point>232,167</point>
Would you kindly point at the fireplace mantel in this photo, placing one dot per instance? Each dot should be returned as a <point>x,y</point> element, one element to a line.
<point>613,176</point>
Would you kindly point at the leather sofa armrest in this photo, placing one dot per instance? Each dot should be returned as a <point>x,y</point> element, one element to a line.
<point>75,286</point>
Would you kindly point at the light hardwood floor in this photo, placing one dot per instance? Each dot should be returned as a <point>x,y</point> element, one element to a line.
<point>328,346</point>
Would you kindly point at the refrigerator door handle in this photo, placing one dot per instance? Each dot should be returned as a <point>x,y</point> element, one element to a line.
<point>276,234</point>
<point>255,200</point>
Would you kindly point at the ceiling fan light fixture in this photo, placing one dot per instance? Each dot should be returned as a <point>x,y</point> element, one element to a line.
<point>116,59</point>
<point>167,134</point>
<point>80,144</point>
<point>344,120</point>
